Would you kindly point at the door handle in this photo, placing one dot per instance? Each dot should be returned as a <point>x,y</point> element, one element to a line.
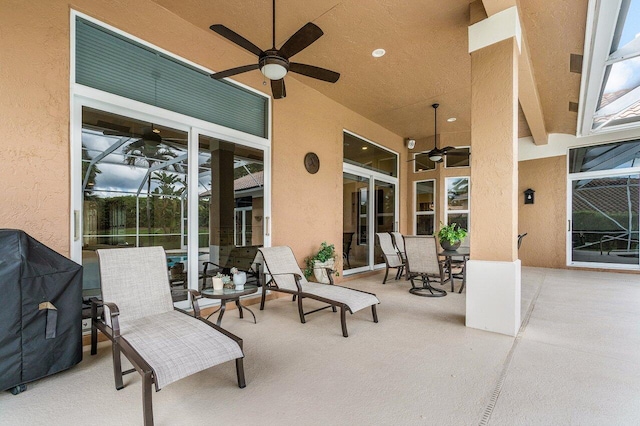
<point>76,225</point>
<point>267,226</point>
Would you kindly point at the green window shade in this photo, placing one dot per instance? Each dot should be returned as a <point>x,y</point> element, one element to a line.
<point>114,64</point>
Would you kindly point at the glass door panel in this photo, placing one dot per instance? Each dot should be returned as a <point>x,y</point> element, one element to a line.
<point>385,208</point>
<point>605,220</point>
<point>355,237</point>
<point>134,187</point>
<point>230,204</point>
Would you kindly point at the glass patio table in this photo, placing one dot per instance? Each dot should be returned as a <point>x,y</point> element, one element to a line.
<point>227,294</point>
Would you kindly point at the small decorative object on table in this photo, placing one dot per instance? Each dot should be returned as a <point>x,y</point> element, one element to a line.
<point>318,264</point>
<point>451,236</point>
<point>239,278</point>
<point>219,280</point>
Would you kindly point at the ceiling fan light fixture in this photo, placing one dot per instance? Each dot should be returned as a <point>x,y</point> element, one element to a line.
<point>274,68</point>
<point>436,158</point>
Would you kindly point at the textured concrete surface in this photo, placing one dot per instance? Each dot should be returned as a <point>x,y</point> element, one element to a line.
<point>418,365</point>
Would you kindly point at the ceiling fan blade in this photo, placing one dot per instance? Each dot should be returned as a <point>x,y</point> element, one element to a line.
<point>236,38</point>
<point>234,71</point>
<point>314,72</point>
<point>300,40</point>
<point>447,148</point>
<point>278,89</point>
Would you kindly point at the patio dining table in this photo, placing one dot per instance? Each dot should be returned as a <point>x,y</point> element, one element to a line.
<point>463,252</point>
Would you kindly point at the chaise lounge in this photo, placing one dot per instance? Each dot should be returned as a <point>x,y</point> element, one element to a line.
<point>163,344</point>
<point>285,276</point>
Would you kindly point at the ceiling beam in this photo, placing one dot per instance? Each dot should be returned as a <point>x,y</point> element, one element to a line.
<point>527,89</point>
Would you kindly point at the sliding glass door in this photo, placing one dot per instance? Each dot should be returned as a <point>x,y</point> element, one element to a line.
<point>137,188</point>
<point>369,206</point>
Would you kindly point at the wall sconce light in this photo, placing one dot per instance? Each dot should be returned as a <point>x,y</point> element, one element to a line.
<point>411,143</point>
<point>528,196</point>
<point>258,218</point>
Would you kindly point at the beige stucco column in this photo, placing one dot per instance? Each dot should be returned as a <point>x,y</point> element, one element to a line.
<point>493,273</point>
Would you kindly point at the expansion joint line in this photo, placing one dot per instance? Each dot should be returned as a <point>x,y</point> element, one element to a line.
<point>486,416</point>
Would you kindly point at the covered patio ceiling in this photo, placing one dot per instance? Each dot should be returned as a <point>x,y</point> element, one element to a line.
<point>426,61</point>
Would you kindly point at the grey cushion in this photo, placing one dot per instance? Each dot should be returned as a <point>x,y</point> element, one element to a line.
<point>176,345</point>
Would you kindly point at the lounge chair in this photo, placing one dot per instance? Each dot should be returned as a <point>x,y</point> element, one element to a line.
<point>392,257</point>
<point>243,258</point>
<point>284,275</point>
<point>163,344</point>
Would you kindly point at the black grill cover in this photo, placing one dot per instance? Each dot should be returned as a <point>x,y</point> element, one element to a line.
<point>35,339</point>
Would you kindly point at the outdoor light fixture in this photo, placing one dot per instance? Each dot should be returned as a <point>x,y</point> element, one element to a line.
<point>528,196</point>
<point>435,157</point>
<point>411,143</point>
<point>273,67</point>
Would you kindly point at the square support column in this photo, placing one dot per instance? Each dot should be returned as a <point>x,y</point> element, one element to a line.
<point>493,274</point>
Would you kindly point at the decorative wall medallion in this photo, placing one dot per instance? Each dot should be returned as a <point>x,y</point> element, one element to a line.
<point>312,162</point>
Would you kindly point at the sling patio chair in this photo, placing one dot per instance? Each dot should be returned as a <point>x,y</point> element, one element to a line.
<point>285,276</point>
<point>163,344</point>
<point>423,263</point>
<point>392,257</point>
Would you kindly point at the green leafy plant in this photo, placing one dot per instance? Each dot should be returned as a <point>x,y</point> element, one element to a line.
<point>326,252</point>
<point>452,233</point>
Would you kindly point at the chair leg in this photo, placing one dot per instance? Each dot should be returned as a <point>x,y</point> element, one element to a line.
<point>333,308</point>
<point>343,321</point>
<point>240,373</point>
<point>263,298</point>
<point>375,313</point>
<point>117,366</point>
<point>147,407</point>
<point>300,311</point>
<point>386,272</point>
<point>293,298</point>
<point>94,338</point>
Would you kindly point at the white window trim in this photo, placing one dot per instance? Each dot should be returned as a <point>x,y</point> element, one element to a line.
<point>444,163</point>
<point>569,225</point>
<point>417,213</point>
<point>415,163</point>
<point>447,212</point>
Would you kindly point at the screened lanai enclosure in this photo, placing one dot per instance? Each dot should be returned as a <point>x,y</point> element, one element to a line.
<point>134,182</point>
<point>605,199</point>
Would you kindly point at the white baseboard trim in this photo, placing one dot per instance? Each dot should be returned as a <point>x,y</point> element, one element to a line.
<point>493,296</point>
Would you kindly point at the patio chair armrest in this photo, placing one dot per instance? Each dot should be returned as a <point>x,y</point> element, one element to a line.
<point>230,335</point>
<point>296,277</point>
<point>195,296</point>
<point>114,312</point>
<point>330,274</point>
<point>206,266</point>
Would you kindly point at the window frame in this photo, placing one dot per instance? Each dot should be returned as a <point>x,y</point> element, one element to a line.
<point>415,163</point>
<point>447,212</point>
<point>417,213</point>
<point>444,163</point>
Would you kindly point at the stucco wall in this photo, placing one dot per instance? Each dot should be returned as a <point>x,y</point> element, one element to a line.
<point>34,83</point>
<point>545,220</point>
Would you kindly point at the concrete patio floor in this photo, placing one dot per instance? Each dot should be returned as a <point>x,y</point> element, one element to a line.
<point>575,361</point>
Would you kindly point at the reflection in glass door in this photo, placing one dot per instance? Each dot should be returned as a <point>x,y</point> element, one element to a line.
<point>605,220</point>
<point>134,176</point>
<point>355,236</point>
<point>385,220</point>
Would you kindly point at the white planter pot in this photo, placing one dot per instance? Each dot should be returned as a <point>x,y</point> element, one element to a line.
<point>217,283</point>
<point>239,279</point>
<point>320,271</point>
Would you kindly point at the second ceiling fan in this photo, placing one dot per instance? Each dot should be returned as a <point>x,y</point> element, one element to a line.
<point>437,154</point>
<point>274,63</point>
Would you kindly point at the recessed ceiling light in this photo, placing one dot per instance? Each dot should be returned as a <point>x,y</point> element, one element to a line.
<point>378,53</point>
<point>364,147</point>
<point>451,120</point>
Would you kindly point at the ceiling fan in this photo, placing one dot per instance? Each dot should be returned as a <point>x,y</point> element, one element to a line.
<point>274,63</point>
<point>150,136</point>
<point>437,154</point>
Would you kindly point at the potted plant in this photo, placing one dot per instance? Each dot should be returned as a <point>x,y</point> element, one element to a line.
<point>318,263</point>
<point>451,236</point>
